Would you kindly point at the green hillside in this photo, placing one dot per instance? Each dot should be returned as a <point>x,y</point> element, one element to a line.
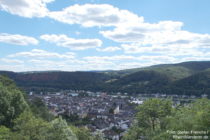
<point>173,71</point>
<point>198,83</point>
<point>140,82</point>
<point>181,78</point>
<point>59,80</point>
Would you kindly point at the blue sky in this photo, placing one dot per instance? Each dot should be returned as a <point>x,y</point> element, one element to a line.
<point>74,35</point>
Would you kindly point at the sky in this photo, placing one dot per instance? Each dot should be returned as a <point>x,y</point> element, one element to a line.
<point>84,35</point>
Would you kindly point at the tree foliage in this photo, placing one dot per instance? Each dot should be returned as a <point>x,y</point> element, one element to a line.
<point>39,109</point>
<point>5,133</point>
<point>61,130</point>
<point>12,102</point>
<point>28,127</point>
<point>156,118</point>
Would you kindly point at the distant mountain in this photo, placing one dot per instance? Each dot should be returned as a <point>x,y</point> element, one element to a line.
<point>181,78</point>
<point>195,65</point>
<point>140,82</point>
<point>165,78</point>
<point>173,71</point>
<point>198,83</point>
<point>58,80</point>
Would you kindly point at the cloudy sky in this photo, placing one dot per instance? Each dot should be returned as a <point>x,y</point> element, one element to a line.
<point>76,35</point>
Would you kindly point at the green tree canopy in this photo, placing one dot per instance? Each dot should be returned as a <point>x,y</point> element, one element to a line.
<point>28,127</point>
<point>151,114</point>
<point>12,102</point>
<point>156,120</point>
<point>5,133</point>
<point>39,109</point>
<point>61,131</point>
<point>195,116</point>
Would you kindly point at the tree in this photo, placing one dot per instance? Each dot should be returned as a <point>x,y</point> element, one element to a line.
<point>156,120</point>
<point>39,109</point>
<point>28,127</point>
<point>61,131</point>
<point>195,116</point>
<point>12,102</point>
<point>152,113</point>
<point>5,133</point>
<point>111,111</point>
<point>134,133</point>
<point>150,119</point>
<point>82,133</point>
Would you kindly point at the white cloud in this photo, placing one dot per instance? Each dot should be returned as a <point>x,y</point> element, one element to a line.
<point>77,33</point>
<point>137,36</point>
<point>139,32</point>
<point>13,61</point>
<point>48,1</point>
<point>111,58</point>
<point>157,59</point>
<point>17,39</point>
<point>42,54</point>
<point>133,61</point>
<point>25,8</point>
<point>144,43</point>
<point>90,15</point>
<point>108,49</point>
<point>71,43</point>
<point>126,59</point>
<point>119,62</point>
<point>195,46</point>
<point>123,66</point>
<point>43,60</point>
<point>176,42</point>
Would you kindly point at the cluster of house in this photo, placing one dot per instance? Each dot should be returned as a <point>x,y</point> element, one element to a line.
<point>109,115</point>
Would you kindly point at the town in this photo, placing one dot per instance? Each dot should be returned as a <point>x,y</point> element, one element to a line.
<point>110,115</point>
<point>107,114</point>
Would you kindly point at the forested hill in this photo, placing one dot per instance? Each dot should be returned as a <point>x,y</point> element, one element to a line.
<point>181,78</point>
<point>58,80</point>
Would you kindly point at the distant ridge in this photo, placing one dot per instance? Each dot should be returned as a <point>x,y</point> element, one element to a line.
<point>26,72</point>
<point>181,78</point>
